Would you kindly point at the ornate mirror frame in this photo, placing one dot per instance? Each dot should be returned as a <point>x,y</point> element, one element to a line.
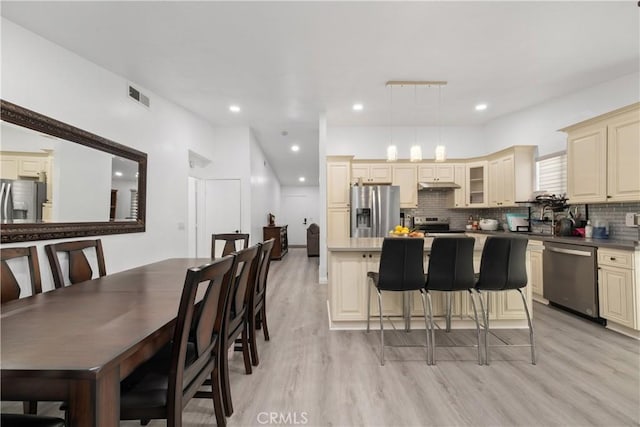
<point>11,233</point>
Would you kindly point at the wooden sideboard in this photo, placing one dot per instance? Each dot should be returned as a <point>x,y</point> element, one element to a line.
<point>279,234</point>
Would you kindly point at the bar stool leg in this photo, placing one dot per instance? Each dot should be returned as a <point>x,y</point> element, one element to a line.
<point>448,317</point>
<point>426,327</point>
<point>475,315</point>
<point>381,329</point>
<point>433,336</point>
<point>485,324</point>
<point>368,303</point>
<point>526,309</point>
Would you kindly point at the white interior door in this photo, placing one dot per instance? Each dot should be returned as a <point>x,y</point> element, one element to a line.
<point>192,215</point>
<point>222,211</point>
<point>298,213</point>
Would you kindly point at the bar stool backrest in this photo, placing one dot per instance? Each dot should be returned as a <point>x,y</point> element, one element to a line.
<point>503,264</point>
<point>451,264</point>
<point>401,264</point>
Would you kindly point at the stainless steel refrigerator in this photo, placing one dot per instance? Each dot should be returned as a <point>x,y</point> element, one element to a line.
<point>21,200</point>
<point>375,209</point>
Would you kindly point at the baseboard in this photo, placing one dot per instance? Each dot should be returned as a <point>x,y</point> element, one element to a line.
<point>624,330</point>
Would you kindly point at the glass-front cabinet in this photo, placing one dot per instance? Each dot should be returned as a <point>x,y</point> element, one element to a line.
<point>476,195</point>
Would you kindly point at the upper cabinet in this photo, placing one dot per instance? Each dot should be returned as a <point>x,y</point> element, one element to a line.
<point>434,172</point>
<point>476,185</point>
<point>511,176</point>
<point>338,179</point>
<point>371,173</point>
<point>602,158</point>
<point>460,178</point>
<point>406,176</point>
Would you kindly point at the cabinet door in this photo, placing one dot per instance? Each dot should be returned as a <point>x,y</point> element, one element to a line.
<point>9,167</point>
<point>615,289</point>
<point>476,184</point>
<point>380,173</point>
<point>348,279</point>
<point>30,167</point>
<point>507,177</point>
<point>338,224</point>
<point>459,195</point>
<point>587,165</point>
<point>406,176</point>
<point>338,174</point>
<point>623,149</point>
<point>427,173</point>
<point>445,172</point>
<point>359,172</point>
<point>495,184</point>
<point>391,301</point>
<point>535,278</point>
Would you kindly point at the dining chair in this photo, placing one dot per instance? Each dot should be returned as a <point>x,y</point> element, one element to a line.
<point>21,420</point>
<point>77,267</point>
<point>451,270</point>
<point>230,242</point>
<point>401,270</point>
<point>236,324</point>
<point>503,268</point>
<point>257,317</point>
<point>162,386</point>
<point>10,288</point>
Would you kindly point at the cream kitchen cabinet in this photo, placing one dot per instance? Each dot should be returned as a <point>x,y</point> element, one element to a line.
<point>511,176</point>
<point>536,274</point>
<point>9,167</point>
<point>18,165</point>
<point>338,179</point>
<point>406,177</point>
<point>436,172</point>
<point>476,184</point>
<point>371,173</point>
<point>602,157</point>
<point>338,223</point>
<point>459,194</point>
<point>617,287</point>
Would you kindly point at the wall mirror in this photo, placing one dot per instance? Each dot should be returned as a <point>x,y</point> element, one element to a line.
<point>58,181</point>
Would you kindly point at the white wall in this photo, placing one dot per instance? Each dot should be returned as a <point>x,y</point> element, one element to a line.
<point>265,191</point>
<point>539,124</point>
<point>370,142</point>
<point>297,203</point>
<point>43,77</point>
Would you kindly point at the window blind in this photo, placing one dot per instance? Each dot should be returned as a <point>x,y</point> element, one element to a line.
<point>551,172</point>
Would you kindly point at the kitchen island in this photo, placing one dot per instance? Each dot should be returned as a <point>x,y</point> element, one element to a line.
<point>350,259</point>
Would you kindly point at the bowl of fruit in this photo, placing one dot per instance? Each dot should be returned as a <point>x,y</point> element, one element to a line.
<point>399,231</point>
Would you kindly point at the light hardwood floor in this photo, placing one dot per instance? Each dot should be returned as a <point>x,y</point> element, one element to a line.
<point>585,376</point>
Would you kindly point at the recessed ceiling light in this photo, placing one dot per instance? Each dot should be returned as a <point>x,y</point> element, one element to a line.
<point>234,109</point>
<point>295,148</point>
<point>117,173</point>
<point>357,107</point>
<point>301,179</point>
<point>481,107</point>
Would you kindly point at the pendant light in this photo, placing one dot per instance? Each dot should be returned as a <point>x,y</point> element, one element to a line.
<point>415,153</point>
<point>392,150</point>
<point>441,152</point>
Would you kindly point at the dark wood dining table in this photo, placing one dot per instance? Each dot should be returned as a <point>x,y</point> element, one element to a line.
<point>76,344</point>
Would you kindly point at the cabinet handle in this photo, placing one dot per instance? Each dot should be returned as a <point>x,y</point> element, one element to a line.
<point>612,258</point>
<point>369,255</point>
<point>364,255</point>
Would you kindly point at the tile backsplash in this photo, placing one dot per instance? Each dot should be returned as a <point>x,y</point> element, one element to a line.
<point>435,204</point>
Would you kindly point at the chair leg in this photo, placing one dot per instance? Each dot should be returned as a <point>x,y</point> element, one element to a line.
<point>263,320</point>
<point>253,345</point>
<point>485,321</point>
<point>526,309</point>
<point>475,316</point>
<point>432,327</point>
<point>368,303</point>
<point>224,382</point>
<point>426,327</point>
<point>245,348</point>
<point>381,329</point>
<point>221,420</point>
<point>258,320</point>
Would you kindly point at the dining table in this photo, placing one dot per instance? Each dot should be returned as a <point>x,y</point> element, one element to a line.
<point>75,344</point>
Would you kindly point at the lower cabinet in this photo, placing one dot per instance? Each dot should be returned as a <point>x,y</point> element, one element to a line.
<point>338,224</point>
<point>536,274</point>
<point>617,287</point>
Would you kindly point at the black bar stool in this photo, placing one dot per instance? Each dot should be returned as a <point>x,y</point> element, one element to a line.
<point>503,268</point>
<point>401,270</point>
<point>451,270</point>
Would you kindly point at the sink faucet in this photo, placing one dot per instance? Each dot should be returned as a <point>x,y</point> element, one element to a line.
<point>553,218</point>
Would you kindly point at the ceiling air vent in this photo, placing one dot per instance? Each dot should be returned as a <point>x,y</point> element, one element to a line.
<point>138,96</point>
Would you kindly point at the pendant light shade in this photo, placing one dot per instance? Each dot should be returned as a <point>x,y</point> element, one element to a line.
<point>416,153</point>
<point>441,153</point>
<point>392,153</point>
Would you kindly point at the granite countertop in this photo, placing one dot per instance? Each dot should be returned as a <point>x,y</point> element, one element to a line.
<point>630,245</point>
<point>373,244</point>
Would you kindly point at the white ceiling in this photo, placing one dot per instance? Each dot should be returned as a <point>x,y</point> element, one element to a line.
<point>285,63</point>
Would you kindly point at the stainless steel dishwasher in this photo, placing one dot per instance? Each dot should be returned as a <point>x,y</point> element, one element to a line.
<point>570,277</point>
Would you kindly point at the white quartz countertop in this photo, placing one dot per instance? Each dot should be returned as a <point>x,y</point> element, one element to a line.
<point>373,244</point>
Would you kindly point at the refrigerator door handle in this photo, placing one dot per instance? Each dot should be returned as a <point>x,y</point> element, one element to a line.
<point>6,193</point>
<point>2,203</point>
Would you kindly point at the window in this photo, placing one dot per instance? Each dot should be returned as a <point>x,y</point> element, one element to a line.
<point>551,173</point>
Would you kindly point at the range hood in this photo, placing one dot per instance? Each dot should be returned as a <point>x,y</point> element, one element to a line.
<point>438,185</point>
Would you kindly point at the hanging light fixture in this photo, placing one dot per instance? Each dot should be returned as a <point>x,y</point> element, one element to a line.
<point>392,150</point>
<point>415,153</point>
<point>441,152</point>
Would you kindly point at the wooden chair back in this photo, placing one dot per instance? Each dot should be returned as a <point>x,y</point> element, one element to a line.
<point>79,268</point>
<point>262,274</point>
<point>230,242</point>
<point>10,288</point>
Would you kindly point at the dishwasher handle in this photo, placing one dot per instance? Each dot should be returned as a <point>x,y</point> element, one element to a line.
<point>570,252</point>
